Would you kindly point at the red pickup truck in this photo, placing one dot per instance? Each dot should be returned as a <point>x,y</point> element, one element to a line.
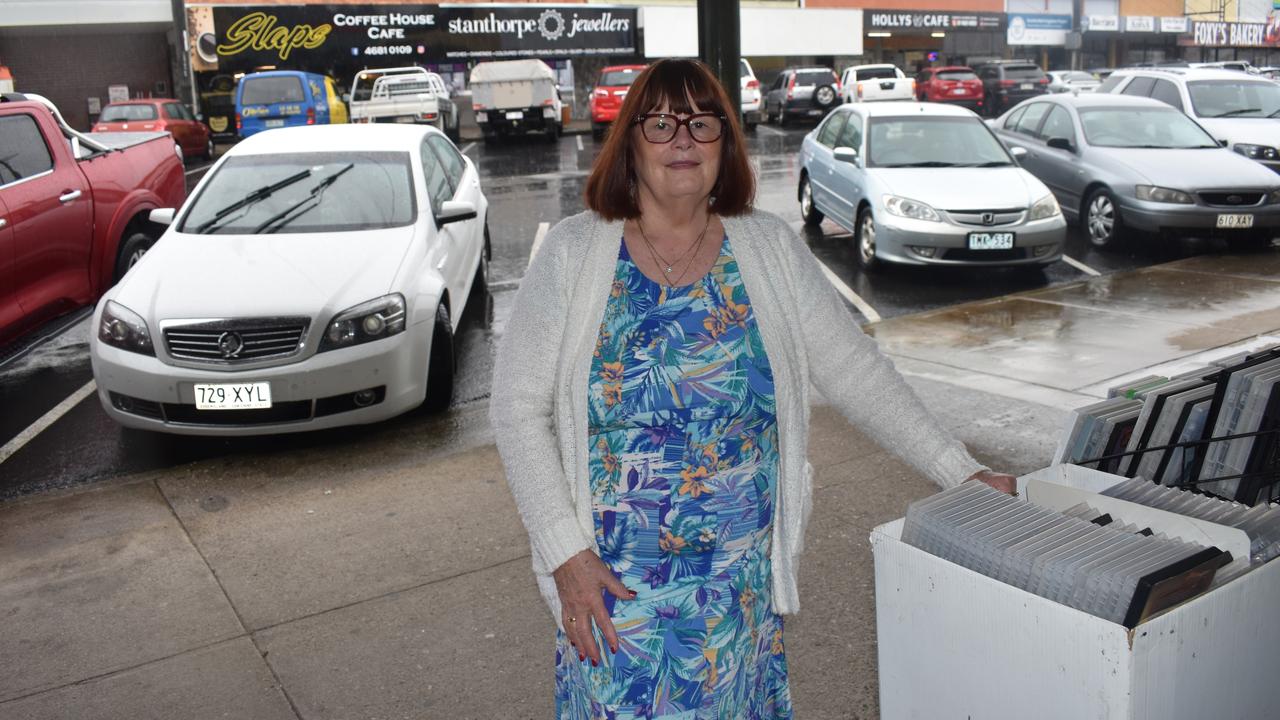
<point>74,209</point>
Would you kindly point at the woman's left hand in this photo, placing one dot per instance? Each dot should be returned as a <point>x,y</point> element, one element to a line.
<point>1005,483</point>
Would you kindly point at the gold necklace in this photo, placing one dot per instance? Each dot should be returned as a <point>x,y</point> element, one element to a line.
<point>668,267</point>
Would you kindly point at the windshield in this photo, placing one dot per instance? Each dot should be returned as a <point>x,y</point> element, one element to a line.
<point>619,78</point>
<point>1235,98</point>
<point>127,113</point>
<point>1139,127</point>
<point>305,193</point>
<point>933,142</point>
<point>957,75</point>
<point>877,73</point>
<point>267,90</point>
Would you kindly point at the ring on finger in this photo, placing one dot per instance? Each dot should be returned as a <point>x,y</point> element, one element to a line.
<point>573,619</point>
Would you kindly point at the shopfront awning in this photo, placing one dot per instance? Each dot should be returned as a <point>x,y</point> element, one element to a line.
<point>673,31</point>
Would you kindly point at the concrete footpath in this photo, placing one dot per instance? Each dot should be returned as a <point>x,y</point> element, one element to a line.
<point>367,581</point>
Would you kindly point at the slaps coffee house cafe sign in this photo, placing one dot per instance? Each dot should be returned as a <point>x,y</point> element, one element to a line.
<point>324,37</point>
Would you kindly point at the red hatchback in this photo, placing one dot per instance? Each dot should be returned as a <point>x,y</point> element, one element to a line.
<point>606,97</point>
<point>159,115</point>
<point>957,85</point>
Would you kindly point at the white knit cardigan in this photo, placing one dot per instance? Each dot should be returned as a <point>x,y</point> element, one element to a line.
<point>541,374</point>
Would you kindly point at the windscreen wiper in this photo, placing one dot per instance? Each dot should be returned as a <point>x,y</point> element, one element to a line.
<point>924,164</point>
<point>1237,111</point>
<point>989,164</point>
<point>289,214</point>
<point>258,195</point>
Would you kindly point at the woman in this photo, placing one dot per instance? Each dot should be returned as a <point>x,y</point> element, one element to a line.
<point>650,403</point>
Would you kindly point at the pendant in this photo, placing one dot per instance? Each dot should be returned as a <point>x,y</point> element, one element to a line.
<point>668,269</point>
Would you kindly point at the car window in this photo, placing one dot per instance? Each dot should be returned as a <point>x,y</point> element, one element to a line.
<point>1029,124</point>
<point>990,73</point>
<point>1110,83</point>
<point>1143,127</point>
<point>127,113</point>
<point>1166,92</point>
<point>1077,76</point>
<point>744,69</point>
<point>1235,98</point>
<point>173,111</point>
<point>437,180</point>
<point>334,191</point>
<point>831,129</point>
<point>880,73</point>
<point>957,75</point>
<point>619,78</point>
<point>449,159</point>
<point>267,90</point>
<point>24,151</point>
<point>1011,123</point>
<point>1141,87</point>
<point>851,133</point>
<point>1058,125</point>
<point>815,77</point>
<point>777,82</point>
<point>1022,72</point>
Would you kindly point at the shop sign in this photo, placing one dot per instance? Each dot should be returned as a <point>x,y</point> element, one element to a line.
<point>1139,23</point>
<point>1026,29</point>
<point>1176,25</point>
<point>1101,23</point>
<point>317,36</point>
<point>1230,34</point>
<point>929,20</point>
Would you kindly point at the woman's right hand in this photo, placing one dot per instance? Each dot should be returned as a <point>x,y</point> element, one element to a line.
<point>579,581</point>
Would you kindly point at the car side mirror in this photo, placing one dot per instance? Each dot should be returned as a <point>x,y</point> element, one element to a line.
<point>200,117</point>
<point>1224,143</point>
<point>452,211</point>
<point>846,154</point>
<point>162,216</point>
<point>1018,152</point>
<point>1061,143</point>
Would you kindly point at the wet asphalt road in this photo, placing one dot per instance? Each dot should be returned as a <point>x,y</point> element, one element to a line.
<point>527,184</point>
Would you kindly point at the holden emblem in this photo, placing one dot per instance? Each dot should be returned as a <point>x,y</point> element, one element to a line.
<point>230,344</point>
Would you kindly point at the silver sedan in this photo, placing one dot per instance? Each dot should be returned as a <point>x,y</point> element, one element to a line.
<point>926,184</point>
<point>1116,162</point>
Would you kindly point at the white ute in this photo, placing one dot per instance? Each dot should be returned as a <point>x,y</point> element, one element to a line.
<point>404,95</point>
<point>866,83</point>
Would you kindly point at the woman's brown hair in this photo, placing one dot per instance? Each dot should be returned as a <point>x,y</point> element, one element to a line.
<point>682,85</point>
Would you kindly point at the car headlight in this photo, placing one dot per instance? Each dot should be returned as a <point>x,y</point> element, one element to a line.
<point>123,328</point>
<point>1162,195</point>
<point>374,320</point>
<point>903,207</point>
<point>1256,152</point>
<point>1045,207</point>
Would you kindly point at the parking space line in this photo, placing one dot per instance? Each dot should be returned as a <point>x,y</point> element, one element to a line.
<point>1079,265</point>
<point>46,420</point>
<point>867,311</point>
<point>537,239</point>
<point>579,139</point>
<point>466,148</point>
<point>195,170</point>
<point>769,130</point>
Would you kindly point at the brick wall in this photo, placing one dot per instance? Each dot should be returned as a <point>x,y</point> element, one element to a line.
<point>70,68</point>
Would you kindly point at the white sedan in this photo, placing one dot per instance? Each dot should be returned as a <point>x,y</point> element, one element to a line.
<point>314,279</point>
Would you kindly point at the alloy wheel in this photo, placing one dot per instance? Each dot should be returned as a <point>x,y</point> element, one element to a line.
<point>867,241</point>
<point>1102,220</point>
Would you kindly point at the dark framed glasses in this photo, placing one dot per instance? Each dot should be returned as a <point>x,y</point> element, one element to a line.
<point>661,128</point>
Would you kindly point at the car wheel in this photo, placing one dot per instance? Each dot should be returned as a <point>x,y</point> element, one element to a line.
<point>782,116</point>
<point>1102,219</point>
<point>866,237</point>
<point>441,366</point>
<point>131,251</point>
<point>811,214</point>
<point>553,132</point>
<point>751,127</point>
<point>208,150</point>
<point>597,131</point>
<point>481,282</point>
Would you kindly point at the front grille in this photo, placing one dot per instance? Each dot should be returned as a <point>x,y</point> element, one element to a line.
<point>278,413</point>
<point>974,218</point>
<point>1232,199</point>
<point>985,255</point>
<point>230,342</point>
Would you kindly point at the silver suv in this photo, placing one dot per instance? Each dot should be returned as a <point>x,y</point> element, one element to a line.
<point>1239,109</point>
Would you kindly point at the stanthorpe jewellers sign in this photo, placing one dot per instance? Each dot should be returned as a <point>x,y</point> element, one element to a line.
<point>320,35</point>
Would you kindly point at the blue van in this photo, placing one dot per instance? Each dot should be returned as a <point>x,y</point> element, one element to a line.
<point>285,98</point>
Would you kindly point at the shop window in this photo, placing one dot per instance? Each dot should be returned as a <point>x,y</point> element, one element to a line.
<point>831,129</point>
<point>1167,92</point>
<point>25,155</point>
<point>1141,86</point>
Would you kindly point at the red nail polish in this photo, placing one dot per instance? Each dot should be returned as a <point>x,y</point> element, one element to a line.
<point>615,650</point>
<point>594,663</point>
<point>581,657</point>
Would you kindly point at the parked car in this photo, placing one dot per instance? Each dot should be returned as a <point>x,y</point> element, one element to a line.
<point>1241,110</point>
<point>403,95</point>
<point>954,84</point>
<point>314,279</point>
<point>1270,72</point>
<point>1008,82</point>
<point>1238,65</point>
<point>1061,81</point>
<point>808,92</point>
<point>1117,162</point>
<point>73,209</point>
<point>516,97</point>
<point>607,96</point>
<point>926,184</point>
<point>158,115</point>
<point>751,96</point>
<point>869,83</point>
<point>286,98</point>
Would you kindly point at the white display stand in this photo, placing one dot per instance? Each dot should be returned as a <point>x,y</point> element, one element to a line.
<point>957,644</point>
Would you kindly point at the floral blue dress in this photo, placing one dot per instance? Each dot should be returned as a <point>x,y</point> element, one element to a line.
<point>684,465</point>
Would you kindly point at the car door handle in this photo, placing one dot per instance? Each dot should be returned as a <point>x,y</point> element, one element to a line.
<point>443,259</point>
<point>3,223</point>
<point>68,195</point>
